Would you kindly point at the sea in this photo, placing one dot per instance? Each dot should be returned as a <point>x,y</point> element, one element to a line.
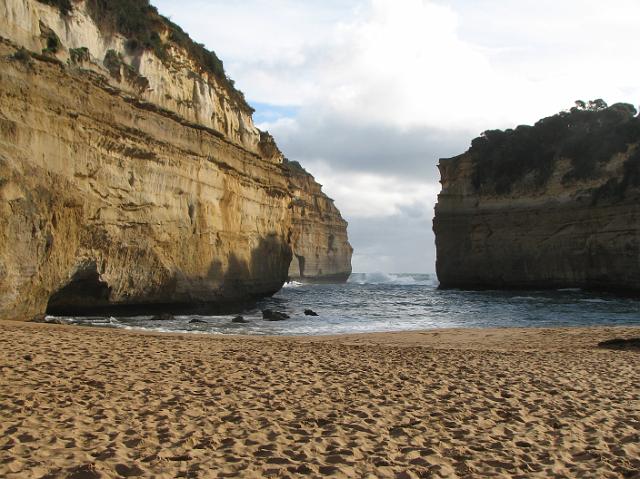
<point>379,302</point>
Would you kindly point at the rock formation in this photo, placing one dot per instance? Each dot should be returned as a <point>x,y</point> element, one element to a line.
<point>555,205</point>
<point>321,249</point>
<point>131,174</point>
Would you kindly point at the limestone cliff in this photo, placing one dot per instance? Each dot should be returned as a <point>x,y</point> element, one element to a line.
<point>550,206</point>
<point>132,176</point>
<point>321,249</point>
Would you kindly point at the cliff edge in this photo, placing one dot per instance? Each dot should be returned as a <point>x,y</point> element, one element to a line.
<point>321,249</point>
<point>132,177</point>
<point>554,205</point>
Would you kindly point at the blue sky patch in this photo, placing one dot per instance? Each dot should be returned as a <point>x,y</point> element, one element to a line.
<point>268,113</point>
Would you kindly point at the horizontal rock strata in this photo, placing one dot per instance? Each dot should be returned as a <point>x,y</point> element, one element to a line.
<point>321,249</point>
<point>537,208</point>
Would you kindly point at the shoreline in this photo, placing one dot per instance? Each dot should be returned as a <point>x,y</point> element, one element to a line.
<point>380,336</point>
<point>508,402</point>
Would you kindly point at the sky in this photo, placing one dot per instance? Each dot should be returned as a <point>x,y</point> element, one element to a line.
<point>368,95</point>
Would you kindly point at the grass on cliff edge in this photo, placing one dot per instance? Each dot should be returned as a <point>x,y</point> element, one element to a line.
<point>141,24</point>
<point>588,135</point>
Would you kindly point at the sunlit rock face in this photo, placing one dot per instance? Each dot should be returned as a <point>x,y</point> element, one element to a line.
<point>321,249</point>
<point>550,206</point>
<point>131,183</point>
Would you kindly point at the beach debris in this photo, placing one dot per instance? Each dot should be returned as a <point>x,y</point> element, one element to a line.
<point>621,343</point>
<point>271,315</point>
<point>239,319</point>
<point>163,317</point>
<point>196,320</point>
<point>27,357</point>
<point>310,312</point>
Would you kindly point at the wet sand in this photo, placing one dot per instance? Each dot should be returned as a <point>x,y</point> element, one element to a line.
<point>537,403</point>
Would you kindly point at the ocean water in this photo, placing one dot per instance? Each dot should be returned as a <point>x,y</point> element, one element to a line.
<point>399,302</point>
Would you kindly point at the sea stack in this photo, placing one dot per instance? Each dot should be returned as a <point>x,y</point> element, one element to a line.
<point>132,175</point>
<point>554,205</point>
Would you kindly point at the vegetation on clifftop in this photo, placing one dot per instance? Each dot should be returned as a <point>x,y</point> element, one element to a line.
<point>294,166</point>
<point>589,134</point>
<point>146,29</point>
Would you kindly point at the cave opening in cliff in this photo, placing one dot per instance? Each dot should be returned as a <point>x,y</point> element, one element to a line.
<point>83,293</point>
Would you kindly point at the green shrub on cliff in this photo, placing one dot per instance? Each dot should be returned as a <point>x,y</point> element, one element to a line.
<point>588,134</point>
<point>294,165</point>
<point>79,55</point>
<point>23,56</point>
<point>135,19</point>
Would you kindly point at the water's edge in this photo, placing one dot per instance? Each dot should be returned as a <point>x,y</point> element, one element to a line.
<point>385,303</point>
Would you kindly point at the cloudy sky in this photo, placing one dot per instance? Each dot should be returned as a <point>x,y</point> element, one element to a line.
<point>369,94</point>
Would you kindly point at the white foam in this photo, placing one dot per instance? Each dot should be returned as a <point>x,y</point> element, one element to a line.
<point>394,279</point>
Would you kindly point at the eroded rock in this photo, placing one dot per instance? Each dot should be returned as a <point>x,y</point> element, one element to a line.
<point>271,315</point>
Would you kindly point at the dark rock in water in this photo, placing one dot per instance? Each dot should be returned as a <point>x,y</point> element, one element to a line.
<point>310,312</point>
<point>163,317</point>
<point>39,318</point>
<point>194,321</point>
<point>239,319</point>
<point>619,343</point>
<point>271,315</point>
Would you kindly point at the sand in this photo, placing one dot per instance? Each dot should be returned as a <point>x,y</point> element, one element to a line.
<point>86,403</point>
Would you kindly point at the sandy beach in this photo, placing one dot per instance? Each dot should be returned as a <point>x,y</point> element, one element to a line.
<point>538,403</point>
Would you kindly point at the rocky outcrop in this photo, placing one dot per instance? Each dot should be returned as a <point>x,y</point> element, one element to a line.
<point>550,206</point>
<point>127,181</point>
<point>321,249</point>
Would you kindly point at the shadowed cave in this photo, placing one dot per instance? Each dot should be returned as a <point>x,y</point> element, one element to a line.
<point>85,288</point>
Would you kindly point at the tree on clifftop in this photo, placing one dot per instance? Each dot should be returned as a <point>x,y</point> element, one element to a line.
<point>594,105</point>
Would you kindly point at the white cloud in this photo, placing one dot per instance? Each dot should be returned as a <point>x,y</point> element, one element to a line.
<point>365,195</point>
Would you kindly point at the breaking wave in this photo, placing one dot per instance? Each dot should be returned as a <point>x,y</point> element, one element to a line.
<point>403,279</point>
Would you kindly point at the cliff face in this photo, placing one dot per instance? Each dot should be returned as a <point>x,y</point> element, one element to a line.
<point>321,249</point>
<point>127,180</point>
<point>550,206</point>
